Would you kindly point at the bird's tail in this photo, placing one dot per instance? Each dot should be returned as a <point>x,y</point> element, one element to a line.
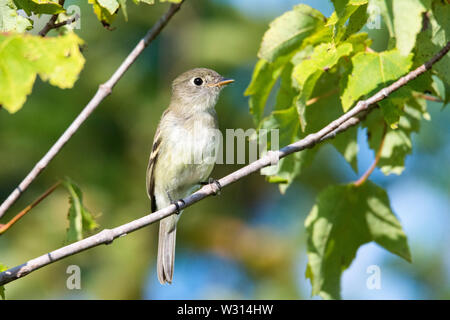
<point>166,248</point>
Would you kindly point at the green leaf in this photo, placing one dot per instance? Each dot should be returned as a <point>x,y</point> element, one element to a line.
<point>407,22</point>
<point>39,6</point>
<point>2,288</point>
<point>80,218</point>
<point>324,57</point>
<point>57,60</point>
<point>103,14</point>
<point>344,218</point>
<point>288,168</point>
<point>383,68</point>
<point>264,77</point>
<point>110,5</point>
<point>384,7</point>
<point>347,144</point>
<point>306,73</point>
<point>356,11</point>
<point>10,20</point>
<point>288,90</point>
<point>434,38</point>
<point>397,143</point>
<point>123,6</point>
<point>289,30</point>
<point>357,20</point>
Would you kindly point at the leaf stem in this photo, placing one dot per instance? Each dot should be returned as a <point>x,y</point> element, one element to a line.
<point>369,171</point>
<point>4,227</point>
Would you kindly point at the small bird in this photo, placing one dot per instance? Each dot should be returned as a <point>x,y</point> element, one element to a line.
<point>183,153</point>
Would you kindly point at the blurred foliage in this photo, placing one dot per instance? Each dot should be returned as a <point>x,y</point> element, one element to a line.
<point>250,223</point>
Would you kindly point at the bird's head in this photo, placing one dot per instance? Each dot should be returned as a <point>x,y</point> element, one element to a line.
<point>198,88</point>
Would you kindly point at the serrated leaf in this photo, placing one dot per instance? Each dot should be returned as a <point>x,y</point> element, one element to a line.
<point>434,38</point>
<point>383,68</point>
<point>344,218</point>
<point>10,20</point>
<point>407,23</point>
<point>353,11</point>
<point>57,60</point>
<point>397,143</point>
<point>306,73</point>
<point>80,218</point>
<point>2,288</point>
<point>324,57</point>
<point>39,6</point>
<point>289,30</point>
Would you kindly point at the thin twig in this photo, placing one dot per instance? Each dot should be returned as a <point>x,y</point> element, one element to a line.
<point>369,171</point>
<point>8,225</point>
<point>103,91</point>
<point>108,235</point>
<point>325,95</point>
<point>51,23</point>
<point>428,97</point>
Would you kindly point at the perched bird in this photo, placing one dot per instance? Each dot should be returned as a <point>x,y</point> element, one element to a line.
<point>182,155</point>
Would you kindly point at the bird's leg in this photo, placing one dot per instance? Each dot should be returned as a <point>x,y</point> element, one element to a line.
<point>175,202</point>
<point>218,187</point>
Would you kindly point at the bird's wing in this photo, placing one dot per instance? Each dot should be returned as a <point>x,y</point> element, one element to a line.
<point>151,168</point>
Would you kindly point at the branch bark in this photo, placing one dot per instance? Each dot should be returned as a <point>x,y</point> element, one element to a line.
<point>103,91</point>
<point>107,236</point>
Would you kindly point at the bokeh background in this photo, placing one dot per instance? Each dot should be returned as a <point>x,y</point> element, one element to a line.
<point>247,243</point>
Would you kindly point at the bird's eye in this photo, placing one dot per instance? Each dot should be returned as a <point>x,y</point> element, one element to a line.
<point>198,81</point>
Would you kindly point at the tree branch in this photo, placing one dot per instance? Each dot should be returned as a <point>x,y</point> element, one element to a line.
<point>103,91</point>
<point>108,235</point>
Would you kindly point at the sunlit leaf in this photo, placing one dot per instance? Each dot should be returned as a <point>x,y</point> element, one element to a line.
<point>289,30</point>
<point>343,219</point>
<point>110,5</point>
<point>39,6</point>
<point>407,22</point>
<point>10,20</point>
<point>57,60</point>
<point>383,68</point>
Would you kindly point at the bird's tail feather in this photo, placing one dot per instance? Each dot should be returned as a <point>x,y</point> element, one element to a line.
<point>166,248</point>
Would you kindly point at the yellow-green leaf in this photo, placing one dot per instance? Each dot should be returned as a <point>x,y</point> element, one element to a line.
<point>2,288</point>
<point>289,30</point>
<point>371,71</point>
<point>57,60</point>
<point>407,23</point>
<point>39,6</point>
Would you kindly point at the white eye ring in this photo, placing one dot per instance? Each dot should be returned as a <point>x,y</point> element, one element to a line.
<point>197,81</point>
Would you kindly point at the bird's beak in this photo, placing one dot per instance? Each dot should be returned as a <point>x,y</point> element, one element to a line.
<point>222,82</point>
